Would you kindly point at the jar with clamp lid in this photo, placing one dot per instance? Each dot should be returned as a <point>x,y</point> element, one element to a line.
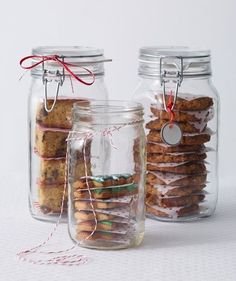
<point>61,76</point>
<point>181,116</point>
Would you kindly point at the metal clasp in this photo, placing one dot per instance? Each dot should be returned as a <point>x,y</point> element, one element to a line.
<point>60,80</point>
<point>175,76</point>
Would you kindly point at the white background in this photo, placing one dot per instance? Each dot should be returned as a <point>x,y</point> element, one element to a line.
<point>120,27</point>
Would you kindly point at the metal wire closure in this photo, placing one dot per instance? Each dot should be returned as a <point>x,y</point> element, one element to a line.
<point>60,60</point>
<point>175,76</point>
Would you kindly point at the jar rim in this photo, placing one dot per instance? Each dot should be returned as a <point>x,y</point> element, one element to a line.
<point>174,61</point>
<point>180,51</point>
<point>68,51</point>
<point>100,107</point>
<point>79,57</point>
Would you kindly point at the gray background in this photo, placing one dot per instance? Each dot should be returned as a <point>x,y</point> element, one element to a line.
<point>120,27</point>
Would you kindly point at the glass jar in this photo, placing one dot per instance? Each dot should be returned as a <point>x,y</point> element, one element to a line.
<point>60,77</point>
<point>107,197</point>
<point>181,115</point>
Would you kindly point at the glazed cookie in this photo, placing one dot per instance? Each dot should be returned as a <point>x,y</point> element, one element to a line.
<point>85,205</point>
<point>172,212</point>
<point>187,139</point>
<point>167,202</point>
<point>167,190</point>
<point>171,179</point>
<point>187,127</point>
<point>174,157</point>
<point>153,147</point>
<point>184,116</point>
<point>188,102</point>
<point>60,116</point>
<point>178,168</point>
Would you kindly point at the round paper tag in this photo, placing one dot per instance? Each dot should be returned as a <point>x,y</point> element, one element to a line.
<point>171,134</point>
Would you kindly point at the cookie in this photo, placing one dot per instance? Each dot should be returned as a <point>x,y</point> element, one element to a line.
<point>50,143</point>
<point>172,213</point>
<point>187,139</point>
<point>164,148</point>
<point>85,205</point>
<point>178,168</point>
<point>105,225</point>
<point>60,116</point>
<point>97,235</point>
<point>187,102</point>
<point>106,193</point>
<point>167,202</point>
<point>174,157</point>
<point>52,170</point>
<point>103,181</point>
<point>187,127</point>
<point>167,190</point>
<point>50,198</point>
<point>171,179</point>
<point>184,116</point>
<point>89,215</point>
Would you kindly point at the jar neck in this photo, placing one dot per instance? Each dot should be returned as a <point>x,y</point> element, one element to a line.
<point>99,115</point>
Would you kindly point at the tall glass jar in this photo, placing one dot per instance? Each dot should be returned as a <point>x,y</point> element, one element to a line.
<point>181,116</point>
<point>106,200</point>
<point>61,76</point>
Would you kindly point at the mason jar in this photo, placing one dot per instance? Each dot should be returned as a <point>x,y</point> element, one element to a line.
<point>106,197</point>
<point>61,76</point>
<point>181,122</point>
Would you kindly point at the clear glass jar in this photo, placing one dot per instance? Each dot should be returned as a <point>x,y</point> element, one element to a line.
<point>181,115</point>
<point>107,201</point>
<point>53,92</point>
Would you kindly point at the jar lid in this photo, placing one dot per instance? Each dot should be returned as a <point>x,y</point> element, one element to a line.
<point>170,61</point>
<point>89,57</point>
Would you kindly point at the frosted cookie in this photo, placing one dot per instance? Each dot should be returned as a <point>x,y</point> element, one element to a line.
<point>50,198</point>
<point>60,116</point>
<point>187,127</point>
<point>184,116</point>
<point>167,202</point>
<point>187,139</point>
<point>163,148</point>
<point>178,168</point>
<point>188,102</point>
<point>174,157</point>
<point>168,190</point>
<point>172,212</point>
<point>103,181</point>
<point>163,178</point>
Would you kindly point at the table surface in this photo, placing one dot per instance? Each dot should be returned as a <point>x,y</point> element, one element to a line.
<point>202,250</point>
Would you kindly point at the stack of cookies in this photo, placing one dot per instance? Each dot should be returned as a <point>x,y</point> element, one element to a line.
<point>109,200</point>
<point>176,175</point>
<point>51,132</point>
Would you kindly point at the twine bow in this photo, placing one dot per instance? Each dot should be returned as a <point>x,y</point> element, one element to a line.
<point>66,67</point>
